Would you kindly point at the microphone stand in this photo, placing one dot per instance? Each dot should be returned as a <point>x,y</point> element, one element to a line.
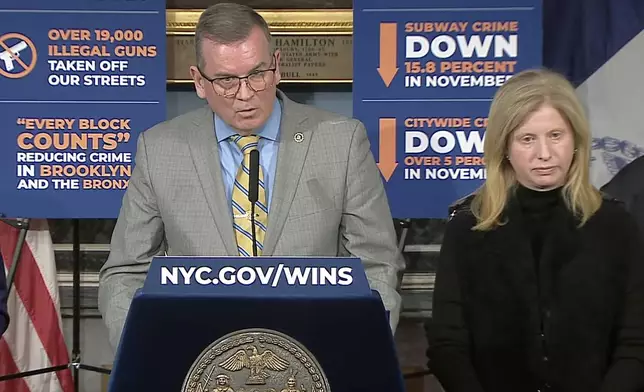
<point>252,226</point>
<point>253,185</point>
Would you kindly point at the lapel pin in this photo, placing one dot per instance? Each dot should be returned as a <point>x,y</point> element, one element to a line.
<point>298,137</point>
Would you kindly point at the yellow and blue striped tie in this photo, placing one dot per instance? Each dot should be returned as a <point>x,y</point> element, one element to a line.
<point>242,207</point>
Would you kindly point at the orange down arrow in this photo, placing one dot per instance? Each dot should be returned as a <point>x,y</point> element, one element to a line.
<point>387,147</point>
<point>387,66</point>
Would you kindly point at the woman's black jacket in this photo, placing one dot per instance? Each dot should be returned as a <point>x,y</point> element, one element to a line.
<point>571,321</point>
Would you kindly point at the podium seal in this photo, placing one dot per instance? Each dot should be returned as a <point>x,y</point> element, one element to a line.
<point>255,360</point>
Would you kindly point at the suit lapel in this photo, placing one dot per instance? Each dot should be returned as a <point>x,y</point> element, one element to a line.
<point>290,161</point>
<point>205,156</point>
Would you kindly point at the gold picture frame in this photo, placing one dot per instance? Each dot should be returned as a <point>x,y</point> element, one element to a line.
<point>316,44</point>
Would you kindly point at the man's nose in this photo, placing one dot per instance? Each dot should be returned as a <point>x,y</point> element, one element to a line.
<point>245,92</point>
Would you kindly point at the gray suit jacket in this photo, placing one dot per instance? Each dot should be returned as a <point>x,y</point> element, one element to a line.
<point>328,200</point>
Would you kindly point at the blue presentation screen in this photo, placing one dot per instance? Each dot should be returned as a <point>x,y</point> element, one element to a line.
<point>424,76</point>
<point>79,81</point>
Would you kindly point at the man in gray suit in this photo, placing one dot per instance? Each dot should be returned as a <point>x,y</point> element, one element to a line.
<point>320,190</point>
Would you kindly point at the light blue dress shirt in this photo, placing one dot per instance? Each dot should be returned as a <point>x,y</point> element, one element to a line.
<point>231,156</point>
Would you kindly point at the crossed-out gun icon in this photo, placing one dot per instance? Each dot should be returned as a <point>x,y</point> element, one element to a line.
<point>8,56</point>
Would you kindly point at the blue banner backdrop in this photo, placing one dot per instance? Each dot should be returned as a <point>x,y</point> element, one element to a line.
<point>424,76</point>
<point>78,82</point>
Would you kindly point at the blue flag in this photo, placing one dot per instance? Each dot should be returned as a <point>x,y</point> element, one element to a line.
<point>599,46</point>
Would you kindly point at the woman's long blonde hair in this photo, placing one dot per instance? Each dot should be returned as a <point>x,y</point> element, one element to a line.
<point>520,96</point>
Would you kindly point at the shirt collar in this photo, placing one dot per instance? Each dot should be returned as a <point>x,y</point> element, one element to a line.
<point>270,129</point>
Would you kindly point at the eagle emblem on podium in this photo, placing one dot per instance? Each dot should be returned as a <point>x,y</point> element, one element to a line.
<point>250,358</point>
<point>273,360</point>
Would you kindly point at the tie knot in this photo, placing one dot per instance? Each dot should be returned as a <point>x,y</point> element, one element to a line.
<point>246,143</point>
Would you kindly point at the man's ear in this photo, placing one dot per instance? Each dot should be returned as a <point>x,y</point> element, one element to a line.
<point>278,74</point>
<point>199,81</point>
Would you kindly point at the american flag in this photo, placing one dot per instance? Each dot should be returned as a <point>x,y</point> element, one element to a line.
<point>34,339</point>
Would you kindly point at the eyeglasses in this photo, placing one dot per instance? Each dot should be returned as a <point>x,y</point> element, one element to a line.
<point>228,86</point>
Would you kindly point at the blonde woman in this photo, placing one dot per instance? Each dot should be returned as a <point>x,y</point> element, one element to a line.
<point>540,283</point>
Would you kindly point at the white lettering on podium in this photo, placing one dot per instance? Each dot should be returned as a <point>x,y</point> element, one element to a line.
<point>265,277</point>
<point>276,279</point>
<point>345,276</point>
<point>328,276</point>
<point>226,275</point>
<point>187,273</point>
<point>171,275</point>
<point>294,276</point>
<point>199,275</point>
<point>249,279</point>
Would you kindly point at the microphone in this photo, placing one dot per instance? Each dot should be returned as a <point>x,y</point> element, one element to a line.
<point>253,191</point>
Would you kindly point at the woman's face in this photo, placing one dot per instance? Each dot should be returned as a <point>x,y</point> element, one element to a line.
<point>541,150</point>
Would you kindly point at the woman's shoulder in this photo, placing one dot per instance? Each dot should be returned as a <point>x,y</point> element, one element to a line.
<point>460,214</point>
<point>460,206</point>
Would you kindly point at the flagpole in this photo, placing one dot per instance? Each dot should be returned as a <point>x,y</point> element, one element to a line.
<point>76,356</point>
<point>23,225</point>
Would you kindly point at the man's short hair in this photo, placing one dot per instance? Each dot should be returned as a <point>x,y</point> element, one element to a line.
<point>227,23</point>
